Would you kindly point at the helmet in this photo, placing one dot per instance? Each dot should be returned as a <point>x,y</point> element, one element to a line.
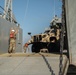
<point>13,30</point>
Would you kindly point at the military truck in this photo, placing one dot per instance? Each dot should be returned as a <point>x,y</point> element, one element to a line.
<point>49,41</point>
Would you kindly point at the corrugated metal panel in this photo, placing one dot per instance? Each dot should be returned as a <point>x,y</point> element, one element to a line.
<point>71,27</point>
<point>4,36</point>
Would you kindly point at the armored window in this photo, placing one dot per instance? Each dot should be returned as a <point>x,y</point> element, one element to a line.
<point>44,36</point>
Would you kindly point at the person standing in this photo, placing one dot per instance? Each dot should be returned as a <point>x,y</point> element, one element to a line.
<point>25,47</point>
<point>12,40</point>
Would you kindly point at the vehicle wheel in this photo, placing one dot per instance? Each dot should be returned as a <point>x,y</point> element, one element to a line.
<point>35,48</point>
<point>52,47</point>
<point>49,48</point>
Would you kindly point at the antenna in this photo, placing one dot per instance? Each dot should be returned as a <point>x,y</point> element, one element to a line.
<point>54,8</point>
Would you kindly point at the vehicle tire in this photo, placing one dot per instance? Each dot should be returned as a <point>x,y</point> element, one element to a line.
<point>35,48</point>
<point>49,48</point>
<point>52,47</point>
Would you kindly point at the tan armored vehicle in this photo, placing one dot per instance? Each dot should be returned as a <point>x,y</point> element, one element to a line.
<point>49,40</point>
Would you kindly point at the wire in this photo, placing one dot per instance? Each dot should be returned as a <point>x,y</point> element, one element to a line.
<point>26,10</point>
<point>26,7</point>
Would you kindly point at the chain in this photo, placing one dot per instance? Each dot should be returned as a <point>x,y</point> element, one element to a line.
<point>48,65</point>
<point>62,40</point>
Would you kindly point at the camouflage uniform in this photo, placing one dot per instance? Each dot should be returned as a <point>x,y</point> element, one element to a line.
<point>25,47</point>
<point>12,43</point>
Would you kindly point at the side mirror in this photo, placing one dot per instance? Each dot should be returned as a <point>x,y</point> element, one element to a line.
<point>29,33</point>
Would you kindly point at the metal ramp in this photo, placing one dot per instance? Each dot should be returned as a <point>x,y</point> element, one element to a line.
<point>29,64</point>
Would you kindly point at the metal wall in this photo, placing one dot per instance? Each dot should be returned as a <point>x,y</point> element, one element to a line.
<point>4,36</point>
<point>71,28</point>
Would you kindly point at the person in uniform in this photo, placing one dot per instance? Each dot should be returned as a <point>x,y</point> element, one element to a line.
<point>25,47</point>
<point>12,40</point>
